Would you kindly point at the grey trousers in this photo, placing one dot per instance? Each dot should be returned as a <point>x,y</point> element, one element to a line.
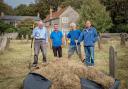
<point>72,49</point>
<point>39,45</point>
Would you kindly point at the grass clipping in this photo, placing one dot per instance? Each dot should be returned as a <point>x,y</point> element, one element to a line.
<point>66,74</point>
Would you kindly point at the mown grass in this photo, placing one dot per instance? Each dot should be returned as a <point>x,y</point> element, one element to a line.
<point>14,62</point>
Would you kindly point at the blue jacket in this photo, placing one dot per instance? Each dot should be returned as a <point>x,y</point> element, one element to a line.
<point>73,35</point>
<point>89,35</point>
<point>56,38</point>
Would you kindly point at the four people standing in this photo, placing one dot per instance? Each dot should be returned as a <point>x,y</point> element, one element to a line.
<point>88,36</point>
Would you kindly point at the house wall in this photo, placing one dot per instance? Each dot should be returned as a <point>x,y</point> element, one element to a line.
<point>51,24</point>
<point>71,15</point>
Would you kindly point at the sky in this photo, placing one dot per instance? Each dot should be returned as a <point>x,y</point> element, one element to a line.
<point>15,3</point>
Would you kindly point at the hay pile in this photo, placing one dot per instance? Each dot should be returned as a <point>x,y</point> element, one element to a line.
<point>66,74</point>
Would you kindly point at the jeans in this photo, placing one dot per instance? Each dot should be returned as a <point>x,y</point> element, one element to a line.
<point>89,52</point>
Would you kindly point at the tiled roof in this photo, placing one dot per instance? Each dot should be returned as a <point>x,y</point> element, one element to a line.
<point>55,14</point>
<point>19,18</point>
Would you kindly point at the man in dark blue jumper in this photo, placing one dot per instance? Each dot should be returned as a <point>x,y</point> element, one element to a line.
<point>89,37</point>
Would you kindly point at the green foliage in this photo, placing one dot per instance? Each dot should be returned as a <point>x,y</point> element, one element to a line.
<point>118,9</point>
<point>25,27</point>
<point>93,10</point>
<point>119,28</point>
<point>6,27</point>
<point>76,4</point>
<point>24,10</point>
<point>10,30</point>
<point>43,7</point>
<point>6,9</point>
<point>24,31</point>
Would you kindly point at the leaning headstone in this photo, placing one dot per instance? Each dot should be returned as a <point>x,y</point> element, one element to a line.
<point>3,44</point>
<point>112,61</point>
<point>8,43</point>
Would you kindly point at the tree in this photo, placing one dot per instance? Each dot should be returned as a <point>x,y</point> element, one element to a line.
<point>4,27</point>
<point>118,10</point>
<point>76,4</point>
<point>25,10</point>
<point>93,10</point>
<point>25,27</point>
<point>6,9</point>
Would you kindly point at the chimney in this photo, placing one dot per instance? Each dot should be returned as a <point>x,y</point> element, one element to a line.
<point>50,13</point>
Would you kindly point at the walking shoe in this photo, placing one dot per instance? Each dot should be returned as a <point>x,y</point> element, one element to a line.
<point>34,65</point>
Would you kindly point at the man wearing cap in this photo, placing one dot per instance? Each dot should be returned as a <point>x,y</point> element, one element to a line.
<point>73,36</point>
<point>57,41</point>
<point>89,37</point>
<point>40,41</point>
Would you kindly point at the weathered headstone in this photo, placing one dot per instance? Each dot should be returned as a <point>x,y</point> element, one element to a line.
<point>112,61</point>
<point>22,37</point>
<point>8,43</point>
<point>27,38</point>
<point>99,42</point>
<point>122,42</point>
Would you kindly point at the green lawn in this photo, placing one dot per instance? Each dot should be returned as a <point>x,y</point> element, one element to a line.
<point>14,62</point>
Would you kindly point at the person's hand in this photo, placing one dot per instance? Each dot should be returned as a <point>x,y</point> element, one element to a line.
<point>62,46</point>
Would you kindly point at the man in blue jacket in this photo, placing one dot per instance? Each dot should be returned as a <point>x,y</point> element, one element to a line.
<point>89,36</point>
<point>73,36</point>
<point>57,40</point>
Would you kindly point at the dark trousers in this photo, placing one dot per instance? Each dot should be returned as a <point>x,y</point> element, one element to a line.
<point>57,51</point>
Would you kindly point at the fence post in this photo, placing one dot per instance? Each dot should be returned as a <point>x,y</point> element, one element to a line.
<point>112,61</point>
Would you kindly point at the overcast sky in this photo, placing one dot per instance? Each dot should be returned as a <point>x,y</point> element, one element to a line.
<point>15,3</point>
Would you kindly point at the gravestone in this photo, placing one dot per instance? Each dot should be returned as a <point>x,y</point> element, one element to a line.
<point>22,37</point>
<point>8,43</point>
<point>122,42</point>
<point>99,42</point>
<point>112,61</point>
<point>27,38</point>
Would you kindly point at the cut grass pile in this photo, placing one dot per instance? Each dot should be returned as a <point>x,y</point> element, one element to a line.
<point>66,74</point>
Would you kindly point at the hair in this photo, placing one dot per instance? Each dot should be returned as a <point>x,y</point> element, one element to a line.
<point>55,24</point>
<point>73,24</point>
<point>40,22</point>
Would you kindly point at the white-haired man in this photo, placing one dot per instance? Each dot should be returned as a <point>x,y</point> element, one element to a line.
<point>73,36</point>
<point>40,41</point>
